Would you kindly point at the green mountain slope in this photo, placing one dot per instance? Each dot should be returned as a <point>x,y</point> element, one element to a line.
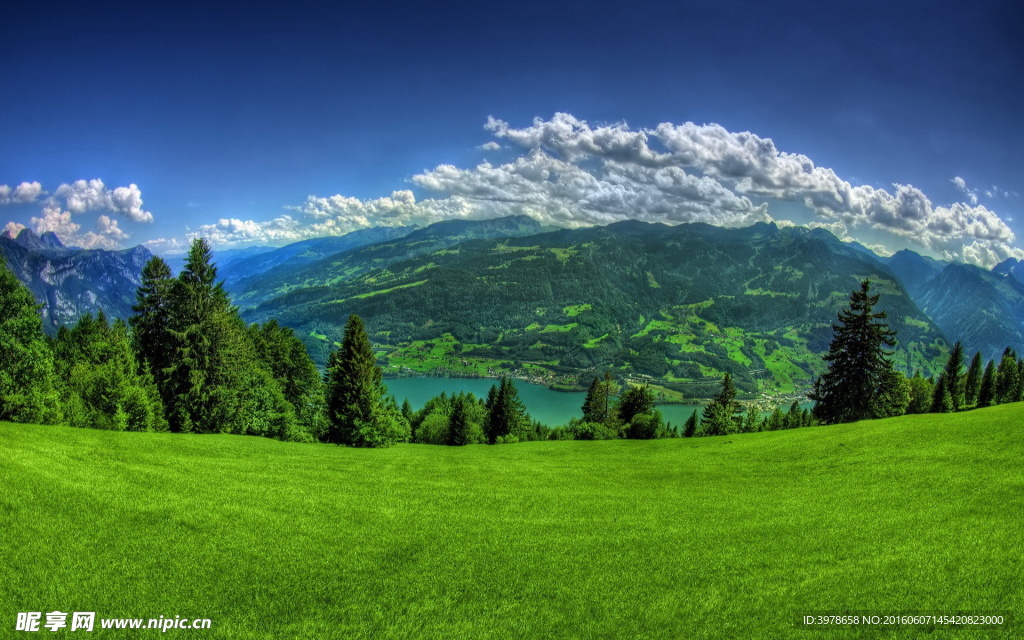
<point>681,305</point>
<point>398,244</point>
<point>722,537</point>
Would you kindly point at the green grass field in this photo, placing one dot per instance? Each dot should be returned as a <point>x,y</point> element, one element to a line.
<point>725,537</point>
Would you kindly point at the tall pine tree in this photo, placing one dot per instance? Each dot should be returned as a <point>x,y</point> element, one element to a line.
<point>206,356</point>
<point>722,415</point>
<point>691,426</point>
<point>595,405</point>
<point>952,376</point>
<point>359,411</point>
<point>506,415</point>
<point>214,382</point>
<point>987,393</point>
<point>1006,377</point>
<point>972,384</point>
<point>151,323</point>
<point>854,387</point>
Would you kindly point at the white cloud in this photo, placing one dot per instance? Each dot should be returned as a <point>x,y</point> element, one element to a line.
<point>879,249</point>
<point>81,196</point>
<point>490,146</point>
<point>972,194</point>
<point>24,193</point>
<point>749,165</point>
<point>58,221</point>
<point>334,216</point>
<point>166,245</point>
<point>12,229</point>
<point>107,234</point>
<point>570,173</point>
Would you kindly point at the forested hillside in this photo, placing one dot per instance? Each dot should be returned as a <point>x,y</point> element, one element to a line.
<point>359,257</point>
<point>682,304</point>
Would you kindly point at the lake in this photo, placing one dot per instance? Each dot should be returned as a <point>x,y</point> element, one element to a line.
<point>552,408</point>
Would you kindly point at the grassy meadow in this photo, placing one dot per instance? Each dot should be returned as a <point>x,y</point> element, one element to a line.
<point>722,537</point>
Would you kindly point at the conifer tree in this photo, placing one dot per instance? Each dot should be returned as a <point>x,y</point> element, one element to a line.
<point>750,421</point>
<point>595,406</point>
<point>359,411</point>
<point>215,382</point>
<point>105,385</point>
<point>942,401</point>
<point>794,418</point>
<point>28,384</point>
<point>921,393</point>
<point>987,393</point>
<point>459,427</point>
<point>1006,377</point>
<point>690,429</point>
<point>506,415</point>
<point>609,389</point>
<point>952,376</point>
<point>972,384</point>
<point>721,415</point>
<point>1019,396</point>
<point>151,323</point>
<point>938,394</point>
<point>208,353</point>
<point>854,387</point>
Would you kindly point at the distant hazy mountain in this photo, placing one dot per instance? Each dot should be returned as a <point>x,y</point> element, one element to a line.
<point>224,258</point>
<point>982,309</point>
<point>297,255</point>
<point>914,270</point>
<point>70,282</point>
<point>684,304</point>
<point>1010,266</point>
<point>29,240</point>
<point>369,255</point>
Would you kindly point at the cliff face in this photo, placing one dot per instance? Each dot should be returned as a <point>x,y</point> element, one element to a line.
<point>70,282</point>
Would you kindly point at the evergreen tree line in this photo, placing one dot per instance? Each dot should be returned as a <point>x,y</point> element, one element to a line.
<point>185,361</point>
<point>631,415</point>
<point>862,384</point>
<point>725,416</point>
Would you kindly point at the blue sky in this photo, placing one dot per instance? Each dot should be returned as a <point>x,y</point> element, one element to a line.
<point>150,122</point>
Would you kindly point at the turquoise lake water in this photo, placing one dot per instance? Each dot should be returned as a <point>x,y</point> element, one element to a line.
<point>552,408</point>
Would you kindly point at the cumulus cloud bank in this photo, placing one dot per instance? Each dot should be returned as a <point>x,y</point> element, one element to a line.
<point>90,195</point>
<point>571,173</point>
<point>74,199</point>
<point>24,193</point>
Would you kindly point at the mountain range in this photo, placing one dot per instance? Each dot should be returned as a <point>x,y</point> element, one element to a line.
<point>678,305</point>
<point>70,282</point>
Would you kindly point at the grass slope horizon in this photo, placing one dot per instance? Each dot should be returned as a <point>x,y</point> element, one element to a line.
<point>718,537</point>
